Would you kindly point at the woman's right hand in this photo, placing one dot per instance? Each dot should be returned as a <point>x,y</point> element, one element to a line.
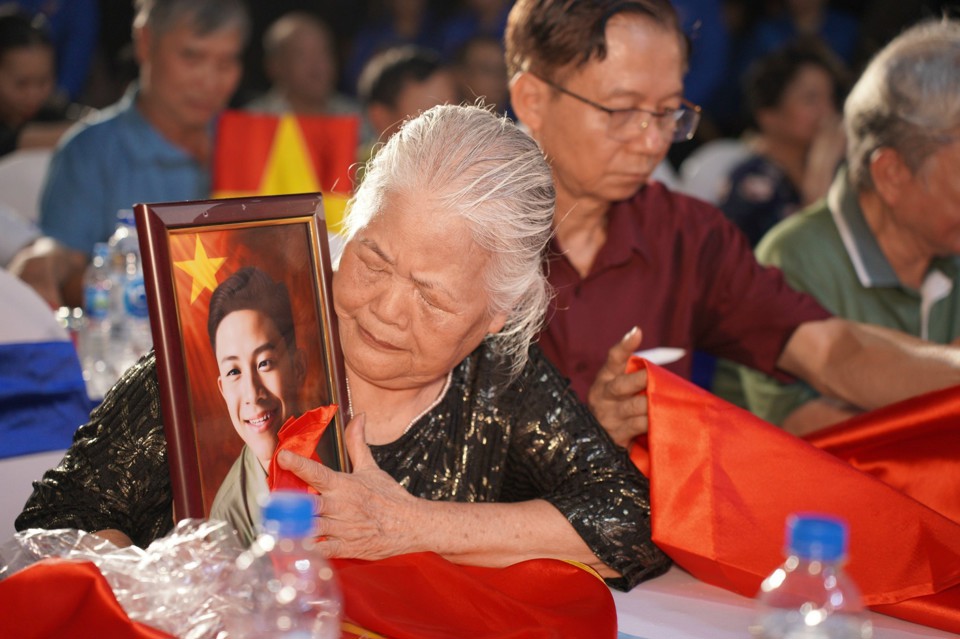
<point>364,514</point>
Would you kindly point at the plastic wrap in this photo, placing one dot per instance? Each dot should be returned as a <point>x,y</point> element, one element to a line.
<point>179,584</point>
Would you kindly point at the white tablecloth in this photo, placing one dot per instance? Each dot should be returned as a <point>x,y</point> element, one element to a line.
<point>677,606</point>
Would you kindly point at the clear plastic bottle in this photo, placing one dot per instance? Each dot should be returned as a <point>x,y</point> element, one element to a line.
<point>286,588</point>
<point>94,344</point>
<point>131,325</point>
<point>810,596</point>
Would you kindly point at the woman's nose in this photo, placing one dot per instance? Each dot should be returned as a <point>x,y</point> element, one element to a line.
<point>390,305</point>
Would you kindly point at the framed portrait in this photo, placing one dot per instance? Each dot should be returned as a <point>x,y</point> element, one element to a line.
<point>241,311</point>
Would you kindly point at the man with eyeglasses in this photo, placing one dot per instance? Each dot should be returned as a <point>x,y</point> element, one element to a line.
<point>599,85</point>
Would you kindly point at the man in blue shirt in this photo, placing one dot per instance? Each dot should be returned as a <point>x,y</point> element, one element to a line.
<point>153,145</point>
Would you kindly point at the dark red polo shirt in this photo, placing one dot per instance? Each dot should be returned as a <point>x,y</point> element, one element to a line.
<point>675,267</point>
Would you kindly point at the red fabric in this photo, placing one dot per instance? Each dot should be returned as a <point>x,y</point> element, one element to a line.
<point>913,446</point>
<point>59,598</point>
<point>723,482</point>
<point>664,250</point>
<point>301,436</point>
<point>245,141</point>
<point>423,596</point>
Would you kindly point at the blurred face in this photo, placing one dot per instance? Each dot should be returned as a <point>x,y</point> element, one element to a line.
<point>259,378</point>
<point>929,204</point>
<point>304,67</point>
<point>643,69</point>
<point>806,105</point>
<point>187,78</point>
<point>417,97</point>
<point>409,297</point>
<point>484,74</point>
<point>26,82</point>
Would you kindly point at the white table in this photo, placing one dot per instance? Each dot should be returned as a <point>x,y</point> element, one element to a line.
<point>677,606</point>
<point>17,475</point>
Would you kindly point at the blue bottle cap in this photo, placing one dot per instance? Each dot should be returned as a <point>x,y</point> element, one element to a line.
<point>816,537</point>
<point>288,514</point>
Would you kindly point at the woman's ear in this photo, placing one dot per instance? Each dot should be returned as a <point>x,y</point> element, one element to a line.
<point>527,95</point>
<point>496,323</point>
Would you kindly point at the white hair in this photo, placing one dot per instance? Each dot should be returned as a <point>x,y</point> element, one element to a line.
<point>486,170</point>
<point>908,99</point>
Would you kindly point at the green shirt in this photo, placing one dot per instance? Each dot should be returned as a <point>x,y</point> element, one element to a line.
<point>830,252</point>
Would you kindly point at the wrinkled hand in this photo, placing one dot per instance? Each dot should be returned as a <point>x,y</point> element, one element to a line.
<point>365,514</point>
<point>617,399</point>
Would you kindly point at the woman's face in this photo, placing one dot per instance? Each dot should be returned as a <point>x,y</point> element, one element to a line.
<point>410,297</point>
<point>26,83</point>
<point>807,104</point>
<point>259,378</point>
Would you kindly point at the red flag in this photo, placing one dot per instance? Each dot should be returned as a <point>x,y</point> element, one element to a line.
<point>62,598</point>
<point>263,154</point>
<point>723,482</point>
<point>299,435</point>
<point>423,596</point>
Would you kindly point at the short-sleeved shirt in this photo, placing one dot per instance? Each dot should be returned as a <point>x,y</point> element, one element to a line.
<point>830,252</point>
<point>678,269</point>
<point>110,163</point>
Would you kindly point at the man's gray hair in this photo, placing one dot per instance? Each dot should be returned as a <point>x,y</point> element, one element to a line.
<point>908,99</point>
<point>486,170</point>
<point>205,16</point>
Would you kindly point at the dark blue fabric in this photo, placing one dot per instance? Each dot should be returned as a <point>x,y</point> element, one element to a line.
<point>42,397</point>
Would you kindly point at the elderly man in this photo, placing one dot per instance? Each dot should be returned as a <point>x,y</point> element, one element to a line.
<point>599,85</point>
<point>884,247</point>
<point>300,60</point>
<point>153,145</point>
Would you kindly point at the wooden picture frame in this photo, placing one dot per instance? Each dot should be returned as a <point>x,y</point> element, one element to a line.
<point>190,248</point>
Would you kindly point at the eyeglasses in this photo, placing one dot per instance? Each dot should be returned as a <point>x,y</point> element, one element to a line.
<point>626,124</point>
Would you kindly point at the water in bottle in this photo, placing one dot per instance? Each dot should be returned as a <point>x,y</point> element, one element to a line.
<point>287,590</point>
<point>94,342</point>
<point>810,596</point>
<point>131,318</point>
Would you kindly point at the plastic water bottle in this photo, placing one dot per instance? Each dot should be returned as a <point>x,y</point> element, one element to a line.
<point>286,588</point>
<point>131,317</point>
<point>810,596</point>
<point>94,342</point>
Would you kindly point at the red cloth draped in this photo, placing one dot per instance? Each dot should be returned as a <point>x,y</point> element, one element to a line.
<point>423,596</point>
<point>57,598</point>
<point>418,596</point>
<point>723,482</point>
<point>301,436</point>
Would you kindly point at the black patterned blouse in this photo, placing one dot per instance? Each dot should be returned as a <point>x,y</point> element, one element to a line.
<point>486,440</point>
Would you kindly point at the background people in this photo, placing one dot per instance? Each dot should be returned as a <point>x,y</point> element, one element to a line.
<point>301,63</point>
<point>794,96</point>
<point>400,83</point>
<point>599,86</point>
<point>154,145</point>
<point>468,442</point>
<point>27,83</point>
<point>884,246</point>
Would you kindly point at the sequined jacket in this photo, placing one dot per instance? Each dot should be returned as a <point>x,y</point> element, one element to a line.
<point>489,439</point>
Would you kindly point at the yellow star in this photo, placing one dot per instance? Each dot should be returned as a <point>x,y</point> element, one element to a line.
<point>202,269</point>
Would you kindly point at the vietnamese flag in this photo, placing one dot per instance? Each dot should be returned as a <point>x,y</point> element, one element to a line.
<point>263,154</point>
<point>723,481</point>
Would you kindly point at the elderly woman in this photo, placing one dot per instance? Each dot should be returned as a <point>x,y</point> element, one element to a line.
<point>467,442</point>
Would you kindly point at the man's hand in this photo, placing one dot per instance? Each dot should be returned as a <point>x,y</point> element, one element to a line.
<point>619,400</point>
<point>53,270</point>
